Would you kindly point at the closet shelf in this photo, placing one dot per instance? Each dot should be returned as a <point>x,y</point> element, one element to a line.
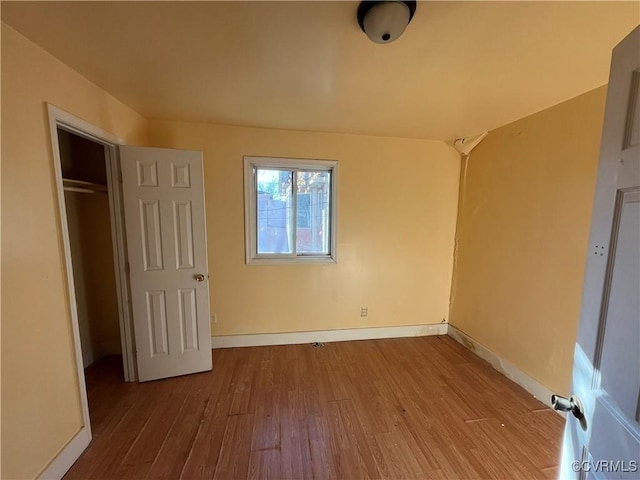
<point>82,186</point>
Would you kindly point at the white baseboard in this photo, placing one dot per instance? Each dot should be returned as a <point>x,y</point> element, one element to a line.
<point>262,339</point>
<point>531,385</point>
<point>67,456</point>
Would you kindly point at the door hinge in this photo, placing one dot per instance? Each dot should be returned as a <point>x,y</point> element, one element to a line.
<point>127,268</point>
<point>120,176</point>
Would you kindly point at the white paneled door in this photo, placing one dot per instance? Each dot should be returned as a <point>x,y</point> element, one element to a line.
<point>166,240</point>
<point>602,435</point>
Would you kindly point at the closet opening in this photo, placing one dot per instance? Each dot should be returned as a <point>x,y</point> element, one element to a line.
<point>90,180</point>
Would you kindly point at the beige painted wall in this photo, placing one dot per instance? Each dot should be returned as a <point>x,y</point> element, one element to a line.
<point>40,397</point>
<point>522,234</point>
<point>396,221</point>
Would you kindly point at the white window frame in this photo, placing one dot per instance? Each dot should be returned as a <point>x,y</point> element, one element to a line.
<point>250,207</point>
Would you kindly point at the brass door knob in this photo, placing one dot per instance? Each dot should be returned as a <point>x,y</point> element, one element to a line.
<point>199,277</point>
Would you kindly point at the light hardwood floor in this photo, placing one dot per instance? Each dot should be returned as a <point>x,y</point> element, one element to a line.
<point>400,408</point>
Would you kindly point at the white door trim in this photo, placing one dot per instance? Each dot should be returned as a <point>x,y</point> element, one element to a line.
<point>60,118</point>
<point>69,122</point>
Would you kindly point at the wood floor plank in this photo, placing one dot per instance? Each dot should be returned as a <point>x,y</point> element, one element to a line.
<point>235,450</point>
<point>359,445</point>
<point>295,454</point>
<point>264,465</point>
<point>266,427</point>
<point>422,407</point>
<point>163,417</point>
<point>179,441</point>
<point>203,458</point>
<point>397,456</point>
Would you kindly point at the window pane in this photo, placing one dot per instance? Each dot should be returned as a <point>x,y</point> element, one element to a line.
<point>274,210</point>
<point>312,222</point>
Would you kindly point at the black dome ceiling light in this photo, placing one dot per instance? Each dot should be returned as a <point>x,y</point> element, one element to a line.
<point>384,21</point>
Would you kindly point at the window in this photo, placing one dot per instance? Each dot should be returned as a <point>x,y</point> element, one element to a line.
<point>290,210</point>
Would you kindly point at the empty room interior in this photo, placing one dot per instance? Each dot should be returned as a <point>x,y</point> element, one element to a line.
<point>318,239</point>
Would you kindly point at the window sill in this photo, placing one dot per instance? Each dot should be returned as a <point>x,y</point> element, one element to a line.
<point>302,260</point>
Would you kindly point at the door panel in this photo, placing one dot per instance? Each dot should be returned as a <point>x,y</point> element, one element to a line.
<point>184,234</point>
<point>620,355</point>
<point>615,440</point>
<point>188,319</point>
<point>157,323</point>
<point>606,374</point>
<point>166,239</point>
<point>151,242</point>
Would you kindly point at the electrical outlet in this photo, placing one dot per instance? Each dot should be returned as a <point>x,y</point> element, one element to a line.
<point>364,311</point>
<point>214,318</point>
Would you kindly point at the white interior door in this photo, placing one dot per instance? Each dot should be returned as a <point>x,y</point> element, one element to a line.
<point>163,194</point>
<point>605,443</point>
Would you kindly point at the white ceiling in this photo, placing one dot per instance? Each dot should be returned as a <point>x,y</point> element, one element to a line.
<point>460,67</point>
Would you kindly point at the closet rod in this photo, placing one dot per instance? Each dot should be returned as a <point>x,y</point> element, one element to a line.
<point>80,186</point>
<point>83,190</point>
